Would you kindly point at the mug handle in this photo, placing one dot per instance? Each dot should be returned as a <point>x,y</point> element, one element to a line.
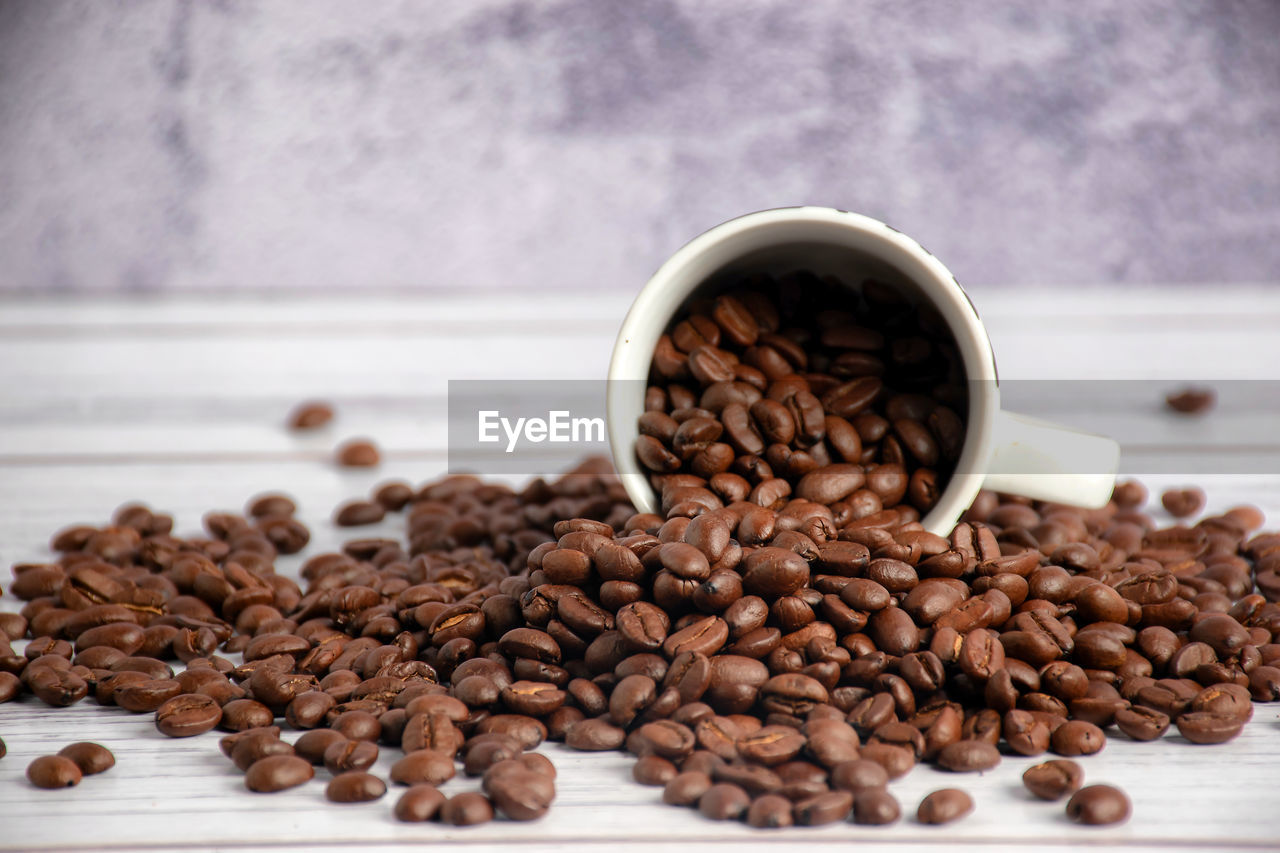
<point>1050,462</point>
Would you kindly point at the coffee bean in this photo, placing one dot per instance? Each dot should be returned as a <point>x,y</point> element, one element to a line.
<point>393,495</point>
<point>277,773</point>
<point>253,748</point>
<point>356,513</point>
<point>1053,780</point>
<point>466,810</point>
<point>1182,503</point>
<point>1077,737</point>
<point>1098,805</point>
<point>981,654</point>
<point>521,794</point>
<point>595,735</point>
<point>968,755</point>
<point>187,715</point>
<point>241,714</point>
<point>346,755</point>
<point>527,731</point>
<point>654,770</point>
<point>424,765</point>
<point>312,745</point>
<point>875,807</point>
<point>53,771</point>
<point>858,775</point>
<point>420,803</point>
<point>771,745</point>
<point>687,788</point>
<point>770,811</point>
<point>1191,401</point>
<point>532,697</point>
<point>1141,723</point>
<point>358,453</point>
<point>822,809</point>
<point>896,760</point>
<point>355,786</point>
<point>944,806</point>
<point>1025,734</point>
<point>91,758</point>
<point>723,801</point>
<point>310,415</point>
<point>1208,726</point>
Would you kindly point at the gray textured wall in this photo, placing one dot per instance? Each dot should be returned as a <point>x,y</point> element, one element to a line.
<point>511,143</point>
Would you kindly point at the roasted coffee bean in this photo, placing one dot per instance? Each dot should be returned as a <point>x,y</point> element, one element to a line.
<point>981,654</point>
<point>1099,805</point>
<point>91,758</point>
<point>347,755</point>
<point>53,771</point>
<point>875,807</point>
<point>968,755</point>
<point>147,695</point>
<point>355,786</point>
<point>594,735</point>
<point>1053,780</point>
<point>944,806</point>
<point>1191,401</point>
<point>357,513</point>
<point>277,773</point>
<point>654,770</point>
<point>310,415</point>
<point>241,714</point>
<point>1141,723</point>
<point>687,788</point>
<point>480,756</point>
<point>1208,726</point>
<point>859,774</point>
<point>1026,734</point>
<point>1182,503</point>
<point>466,809</point>
<point>424,765</point>
<point>358,453</point>
<point>824,808</point>
<point>250,750</point>
<point>421,802</point>
<point>1077,738</point>
<point>896,760</point>
<point>771,745</point>
<point>520,793</point>
<point>527,731</point>
<point>723,801</point>
<point>393,495</point>
<point>187,715</point>
<point>312,745</point>
<point>770,811</point>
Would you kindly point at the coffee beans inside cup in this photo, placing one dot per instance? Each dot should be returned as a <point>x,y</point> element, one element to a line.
<point>798,388</point>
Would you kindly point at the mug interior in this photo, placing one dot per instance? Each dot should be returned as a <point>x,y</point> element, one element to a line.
<point>826,242</point>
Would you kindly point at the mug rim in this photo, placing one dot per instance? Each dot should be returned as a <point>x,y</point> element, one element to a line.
<point>669,287</point>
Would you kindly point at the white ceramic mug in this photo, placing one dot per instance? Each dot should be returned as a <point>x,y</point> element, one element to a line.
<point>1002,451</point>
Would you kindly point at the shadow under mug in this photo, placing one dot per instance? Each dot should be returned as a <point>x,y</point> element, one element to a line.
<point>1001,451</point>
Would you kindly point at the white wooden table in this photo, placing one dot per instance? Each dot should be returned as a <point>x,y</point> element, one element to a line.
<point>180,402</point>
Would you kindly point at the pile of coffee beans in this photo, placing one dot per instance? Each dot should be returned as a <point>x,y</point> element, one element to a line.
<point>357,659</point>
<point>768,663</point>
<point>768,392</point>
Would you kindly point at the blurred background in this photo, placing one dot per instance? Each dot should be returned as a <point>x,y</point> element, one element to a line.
<point>164,145</point>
